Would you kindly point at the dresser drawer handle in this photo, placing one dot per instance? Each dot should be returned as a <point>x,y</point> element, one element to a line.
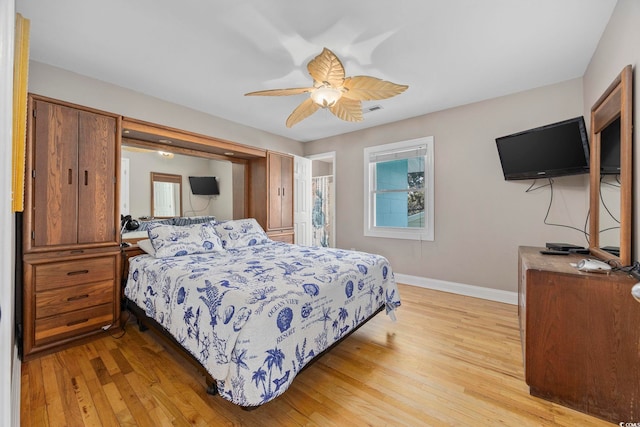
<point>74,273</point>
<point>78,297</point>
<point>77,322</point>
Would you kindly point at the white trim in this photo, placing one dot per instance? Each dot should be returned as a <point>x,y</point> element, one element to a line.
<point>497,295</point>
<point>16,387</point>
<point>424,233</point>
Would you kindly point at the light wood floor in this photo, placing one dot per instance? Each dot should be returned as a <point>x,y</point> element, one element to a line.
<point>448,360</point>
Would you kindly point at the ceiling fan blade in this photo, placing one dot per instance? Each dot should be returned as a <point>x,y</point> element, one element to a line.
<point>280,92</point>
<point>326,67</point>
<point>368,88</point>
<point>302,111</point>
<point>349,110</point>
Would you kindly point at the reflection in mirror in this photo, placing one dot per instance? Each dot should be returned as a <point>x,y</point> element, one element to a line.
<point>609,227</point>
<point>166,195</point>
<point>611,171</point>
<point>143,162</point>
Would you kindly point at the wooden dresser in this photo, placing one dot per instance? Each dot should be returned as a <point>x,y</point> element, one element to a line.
<point>71,252</point>
<point>580,336</point>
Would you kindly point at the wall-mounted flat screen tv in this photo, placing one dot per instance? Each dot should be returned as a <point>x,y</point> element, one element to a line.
<point>548,151</point>
<point>204,185</point>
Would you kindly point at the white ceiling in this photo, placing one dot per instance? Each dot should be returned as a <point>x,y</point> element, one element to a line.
<point>205,54</point>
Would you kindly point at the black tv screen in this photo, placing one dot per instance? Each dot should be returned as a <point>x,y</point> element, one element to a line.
<point>610,149</point>
<point>204,185</point>
<point>553,150</point>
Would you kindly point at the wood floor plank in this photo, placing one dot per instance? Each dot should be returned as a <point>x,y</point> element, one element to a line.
<point>55,409</point>
<point>131,400</point>
<point>101,402</point>
<point>88,411</point>
<point>37,395</point>
<point>118,405</point>
<point>448,360</point>
<point>73,380</point>
<point>104,347</point>
<point>79,356</point>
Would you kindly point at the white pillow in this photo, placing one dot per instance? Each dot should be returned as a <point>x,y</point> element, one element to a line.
<point>241,233</point>
<point>175,240</point>
<point>146,246</point>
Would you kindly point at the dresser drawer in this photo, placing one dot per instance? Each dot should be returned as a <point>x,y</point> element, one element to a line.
<point>71,298</point>
<point>286,236</point>
<point>71,324</point>
<point>69,273</point>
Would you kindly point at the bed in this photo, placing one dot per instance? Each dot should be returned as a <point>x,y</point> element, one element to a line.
<point>254,312</point>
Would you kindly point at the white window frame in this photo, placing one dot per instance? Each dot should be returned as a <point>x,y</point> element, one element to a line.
<point>410,233</point>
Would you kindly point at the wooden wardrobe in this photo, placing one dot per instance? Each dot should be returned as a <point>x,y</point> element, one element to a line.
<point>271,195</point>
<point>71,251</point>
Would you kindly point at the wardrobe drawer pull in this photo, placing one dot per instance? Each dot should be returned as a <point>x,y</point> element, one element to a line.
<point>75,273</point>
<point>78,297</point>
<point>77,322</point>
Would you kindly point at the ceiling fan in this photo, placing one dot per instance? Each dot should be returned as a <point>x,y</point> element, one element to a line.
<point>332,90</point>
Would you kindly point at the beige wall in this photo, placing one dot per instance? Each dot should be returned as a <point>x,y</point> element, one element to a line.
<point>61,84</point>
<point>480,219</point>
<point>619,47</point>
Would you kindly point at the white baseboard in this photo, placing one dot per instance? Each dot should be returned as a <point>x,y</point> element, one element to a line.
<point>459,288</point>
<point>15,387</point>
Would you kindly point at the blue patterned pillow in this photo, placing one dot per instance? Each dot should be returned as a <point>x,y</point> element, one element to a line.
<point>240,233</point>
<point>175,240</point>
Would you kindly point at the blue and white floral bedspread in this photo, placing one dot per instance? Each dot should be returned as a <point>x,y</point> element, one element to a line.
<point>255,316</point>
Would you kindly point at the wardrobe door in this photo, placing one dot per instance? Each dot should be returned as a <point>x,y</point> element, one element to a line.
<point>55,175</point>
<point>275,191</point>
<point>96,173</point>
<point>286,182</point>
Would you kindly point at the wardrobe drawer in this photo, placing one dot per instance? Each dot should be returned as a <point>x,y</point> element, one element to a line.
<point>73,323</point>
<point>71,298</point>
<point>69,273</point>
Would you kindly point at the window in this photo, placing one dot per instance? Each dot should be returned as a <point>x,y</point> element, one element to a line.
<point>399,190</point>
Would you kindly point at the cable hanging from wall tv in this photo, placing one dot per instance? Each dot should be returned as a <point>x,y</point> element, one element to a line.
<point>546,217</point>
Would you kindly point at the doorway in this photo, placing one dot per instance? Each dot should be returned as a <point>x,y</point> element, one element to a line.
<point>323,230</point>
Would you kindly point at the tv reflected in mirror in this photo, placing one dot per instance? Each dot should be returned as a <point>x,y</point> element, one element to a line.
<point>204,185</point>
<point>610,149</point>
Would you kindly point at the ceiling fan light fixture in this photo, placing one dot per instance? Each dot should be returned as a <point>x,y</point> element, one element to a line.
<point>334,91</point>
<point>326,96</point>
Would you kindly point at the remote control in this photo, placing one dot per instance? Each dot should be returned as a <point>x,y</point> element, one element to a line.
<point>552,252</point>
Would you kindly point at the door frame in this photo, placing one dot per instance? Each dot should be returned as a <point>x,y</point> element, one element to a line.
<point>330,155</point>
